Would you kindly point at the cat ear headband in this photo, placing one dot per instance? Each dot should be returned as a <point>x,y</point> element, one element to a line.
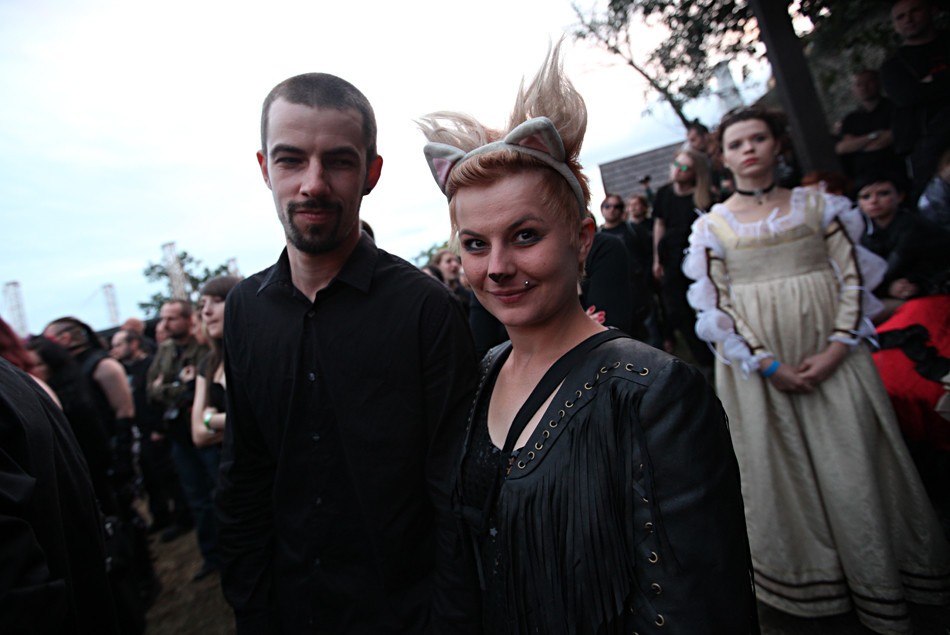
<point>536,137</point>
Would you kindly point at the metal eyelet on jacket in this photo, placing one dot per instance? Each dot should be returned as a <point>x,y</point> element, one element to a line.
<point>654,558</point>
<point>656,587</point>
<point>659,621</point>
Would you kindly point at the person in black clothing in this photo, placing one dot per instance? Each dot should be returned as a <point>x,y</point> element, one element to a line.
<point>349,377</point>
<point>637,212</point>
<point>166,500</point>
<point>62,372</point>
<point>99,399</point>
<point>598,488</point>
<point>53,552</point>
<point>917,251</point>
<point>635,239</point>
<point>917,79</point>
<point>110,392</point>
<point>605,288</point>
<point>867,143</point>
<point>208,412</point>
<point>678,204</point>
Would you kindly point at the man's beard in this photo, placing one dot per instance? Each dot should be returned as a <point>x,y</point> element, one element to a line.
<point>330,235</point>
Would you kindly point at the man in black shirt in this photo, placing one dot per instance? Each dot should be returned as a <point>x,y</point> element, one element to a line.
<point>158,473</point>
<point>350,374</point>
<point>636,240</point>
<point>917,79</point>
<point>867,144</point>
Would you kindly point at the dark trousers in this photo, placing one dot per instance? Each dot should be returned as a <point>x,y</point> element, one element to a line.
<point>166,499</point>
<point>198,472</point>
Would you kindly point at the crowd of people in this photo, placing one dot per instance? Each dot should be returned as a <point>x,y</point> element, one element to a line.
<point>348,466</point>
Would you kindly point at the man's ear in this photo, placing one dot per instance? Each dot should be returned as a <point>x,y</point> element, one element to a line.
<point>372,174</point>
<point>262,161</point>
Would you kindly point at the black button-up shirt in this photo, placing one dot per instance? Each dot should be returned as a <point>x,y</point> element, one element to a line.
<point>345,417</point>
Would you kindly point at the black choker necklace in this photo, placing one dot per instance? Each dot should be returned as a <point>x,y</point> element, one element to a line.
<point>757,193</point>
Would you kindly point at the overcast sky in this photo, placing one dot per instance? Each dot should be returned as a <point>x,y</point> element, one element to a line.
<point>127,125</point>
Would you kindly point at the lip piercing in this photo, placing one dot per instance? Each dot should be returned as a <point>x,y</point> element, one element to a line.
<point>526,283</point>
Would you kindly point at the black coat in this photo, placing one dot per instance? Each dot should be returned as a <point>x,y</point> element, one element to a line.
<point>623,511</point>
<point>52,555</point>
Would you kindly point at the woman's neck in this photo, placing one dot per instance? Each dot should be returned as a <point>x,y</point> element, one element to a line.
<point>753,183</point>
<point>542,345</point>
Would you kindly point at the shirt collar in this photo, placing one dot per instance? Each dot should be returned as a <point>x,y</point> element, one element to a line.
<point>357,271</point>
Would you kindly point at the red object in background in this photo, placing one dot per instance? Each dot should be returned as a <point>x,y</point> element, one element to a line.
<point>913,395</point>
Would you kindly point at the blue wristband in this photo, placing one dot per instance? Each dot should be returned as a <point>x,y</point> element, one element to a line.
<point>768,372</point>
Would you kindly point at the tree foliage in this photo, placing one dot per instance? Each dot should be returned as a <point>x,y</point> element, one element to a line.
<point>425,255</point>
<point>846,36</point>
<point>195,277</point>
<point>700,35</point>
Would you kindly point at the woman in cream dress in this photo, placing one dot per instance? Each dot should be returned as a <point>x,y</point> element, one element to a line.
<point>837,516</point>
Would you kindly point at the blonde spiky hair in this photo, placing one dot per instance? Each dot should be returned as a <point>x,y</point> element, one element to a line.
<point>549,95</point>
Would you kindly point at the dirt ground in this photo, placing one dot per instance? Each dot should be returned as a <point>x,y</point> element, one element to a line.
<point>186,607</point>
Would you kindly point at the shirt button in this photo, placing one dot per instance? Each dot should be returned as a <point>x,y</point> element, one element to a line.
<point>318,502</point>
<point>316,562</point>
<point>312,377</point>
<point>310,313</point>
<point>315,438</point>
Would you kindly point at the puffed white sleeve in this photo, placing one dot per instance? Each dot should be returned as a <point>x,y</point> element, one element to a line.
<point>858,269</point>
<point>717,320</point>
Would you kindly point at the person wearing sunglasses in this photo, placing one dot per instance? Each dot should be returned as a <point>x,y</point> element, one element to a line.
<point>677,205</point>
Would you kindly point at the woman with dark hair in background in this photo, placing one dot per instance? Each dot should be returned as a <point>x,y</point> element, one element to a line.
<point>208,411</point>
<point>837,516</point>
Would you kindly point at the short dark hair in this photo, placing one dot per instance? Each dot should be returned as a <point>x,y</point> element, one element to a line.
<point>881,176</point>
<point>132,336</point>
<point>186,307</point>
<point>322,90</point>
<point>696,125</point>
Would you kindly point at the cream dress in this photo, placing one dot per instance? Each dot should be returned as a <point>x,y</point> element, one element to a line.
<point>836,513</point>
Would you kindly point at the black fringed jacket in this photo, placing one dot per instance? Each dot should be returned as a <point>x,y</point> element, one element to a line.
<point>623,511</point>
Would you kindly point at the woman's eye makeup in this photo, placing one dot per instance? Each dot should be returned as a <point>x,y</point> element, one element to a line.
<point>472,244</point>
<point>527,236</point>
